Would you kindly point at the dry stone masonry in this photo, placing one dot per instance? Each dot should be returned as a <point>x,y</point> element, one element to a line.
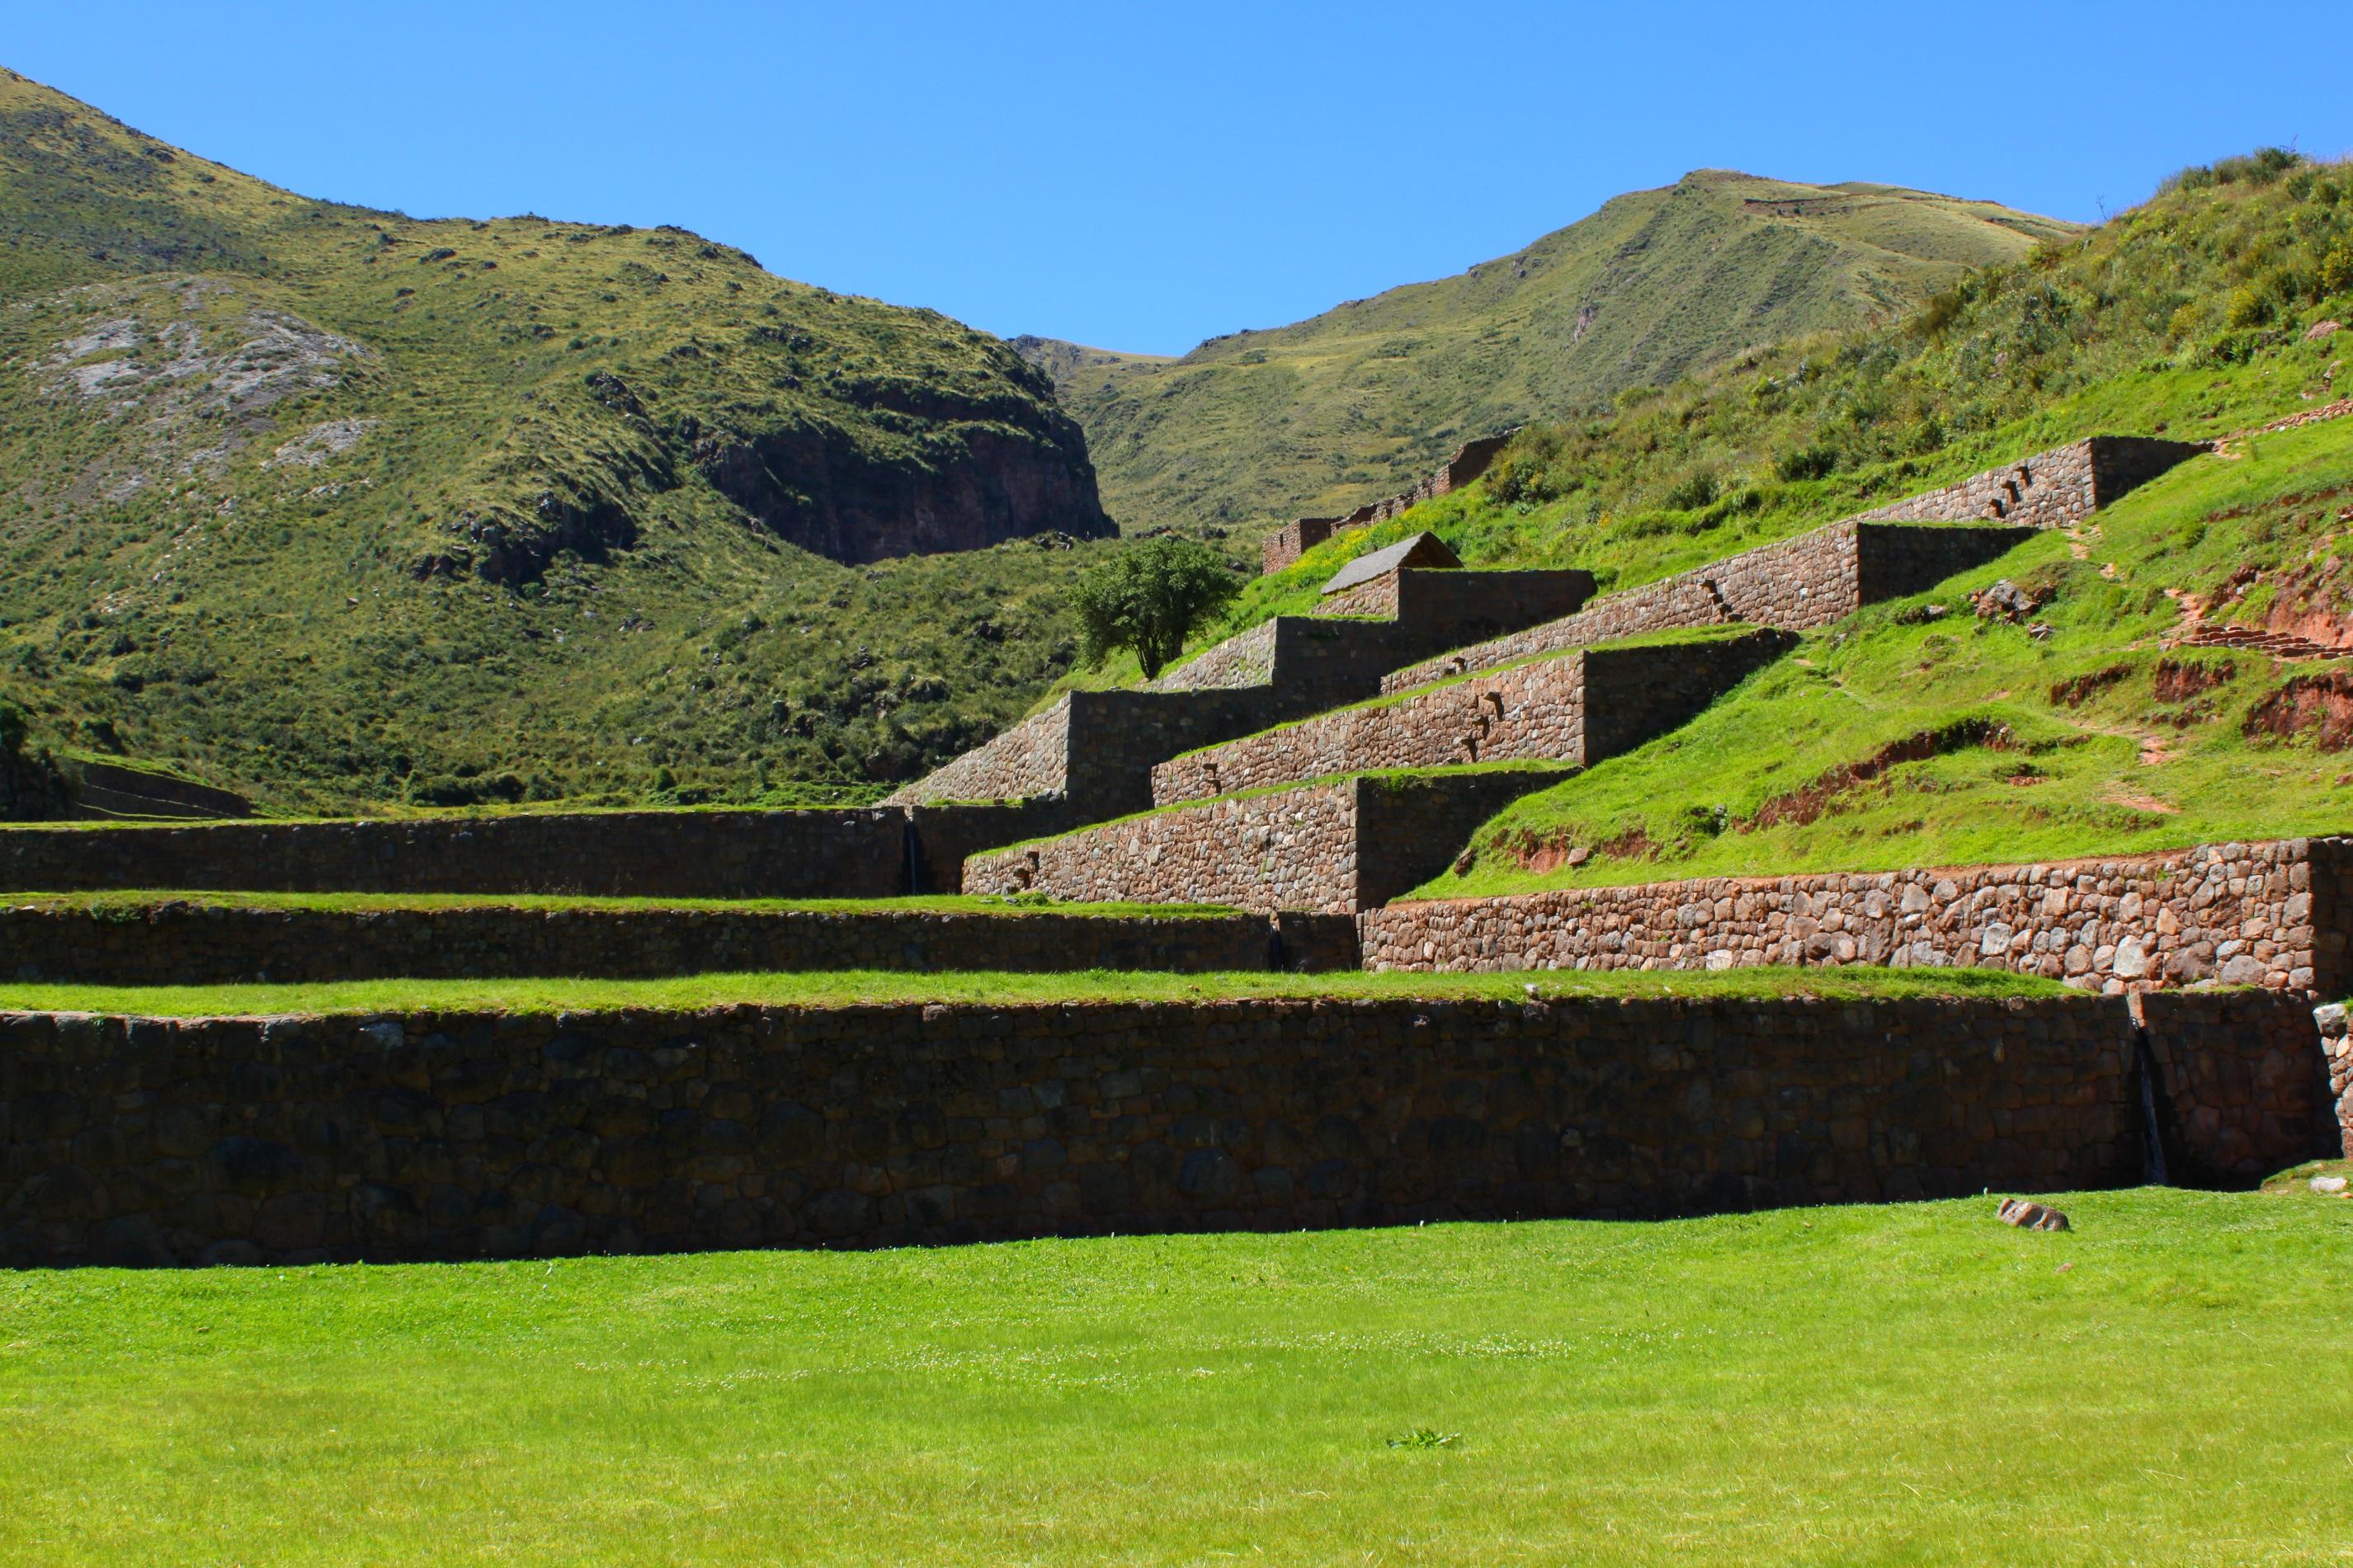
<point>1578,707</point>
<point>148,1141</point>
<point>650,854</point>
<point>1095,749</point>
<point>1294,540</point>
<point>2270,914</point>
<point>1332,848</point>
<point>1797,585</point>
<point>2050,490</point>
<point>1825,575</point>
<point>181,941</point>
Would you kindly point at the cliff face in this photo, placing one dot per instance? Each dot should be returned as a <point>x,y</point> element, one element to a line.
<point>987,471</point>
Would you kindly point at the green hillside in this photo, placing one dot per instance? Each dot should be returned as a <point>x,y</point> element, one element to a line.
<point>2212,309</point>
<point>349,507</point>
<point>1314,419</point>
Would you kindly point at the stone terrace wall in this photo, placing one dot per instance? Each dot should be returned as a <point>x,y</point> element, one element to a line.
<point>1032,759</point>
<point>2049,490</point>
<point>1096,749</point>
<point>2337,1039</point>
<point>183,943</point>
<point>1795,584</point>
<point>1294,539</point>
<point>1246,658</point>
<point>683,854</point>
<point>1577,707</point>
<point>1330,847</point>
<point>1293,850</point>
<point>1444,607</point>
<point>453,1136</point>
<point>1632,694</point>
<point>2272,914</point>
<point>1413,612</point>
<point>2242,1091</point>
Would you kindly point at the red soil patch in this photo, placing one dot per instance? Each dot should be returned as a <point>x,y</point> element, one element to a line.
<point>2179,680</point>
<point>2321,705</point>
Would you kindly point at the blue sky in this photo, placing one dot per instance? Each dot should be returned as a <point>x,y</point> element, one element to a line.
<point>1142,177</point>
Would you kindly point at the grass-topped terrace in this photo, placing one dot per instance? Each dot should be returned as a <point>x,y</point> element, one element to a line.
<point>129,903</point>
<point>864,987</point>
<point>1912,1384</point>
<point>2098,738</point>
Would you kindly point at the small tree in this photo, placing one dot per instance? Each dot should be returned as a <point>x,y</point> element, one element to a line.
<point>1150,599</point>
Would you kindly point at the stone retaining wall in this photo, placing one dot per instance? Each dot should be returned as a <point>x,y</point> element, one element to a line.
<point>1797,585</point>
<point>461,1135</point>
<point>2241,1086</point>
<point>2050,490</point>
<point>851,854</point>
<point>1578,708</point>
<point>2269,914</point>
<point>185,943</point>
<point>1331,847</point>
<point>1096,749</point>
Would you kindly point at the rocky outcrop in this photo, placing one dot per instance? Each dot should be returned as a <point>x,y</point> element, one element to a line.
<point>990,470</point>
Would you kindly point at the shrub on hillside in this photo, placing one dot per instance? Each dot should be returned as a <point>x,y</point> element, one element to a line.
<point>1695,491</point>
<point>2336,270</point>
<point>11,729</point>
<point>1523,473</point>
<point>1815,462</point>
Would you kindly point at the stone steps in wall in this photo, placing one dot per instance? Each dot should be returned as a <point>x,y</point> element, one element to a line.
<point>174,940</point>
<point>1330,846</point>
<point>1801,583</point>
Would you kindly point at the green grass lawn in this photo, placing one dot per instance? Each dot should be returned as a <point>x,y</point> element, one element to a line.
<point>1901,1384</point>
<point>851,988</point>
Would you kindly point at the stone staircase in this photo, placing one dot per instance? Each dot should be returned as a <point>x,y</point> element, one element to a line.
<point>1297,811</point>
<point>1323,764</point>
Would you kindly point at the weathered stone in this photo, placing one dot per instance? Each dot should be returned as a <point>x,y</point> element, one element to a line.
<point>1124,1116</point>
<point>2030,1215</point>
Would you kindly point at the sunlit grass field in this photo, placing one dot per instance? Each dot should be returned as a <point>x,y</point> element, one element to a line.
<point>1899,1385</point>
<point>854,987</point>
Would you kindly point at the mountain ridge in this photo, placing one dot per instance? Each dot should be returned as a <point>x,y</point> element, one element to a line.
<point>1323,414</point>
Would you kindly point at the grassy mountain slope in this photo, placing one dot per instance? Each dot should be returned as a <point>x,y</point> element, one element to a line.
<point>353,507</point>
<point>1321,416</point>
